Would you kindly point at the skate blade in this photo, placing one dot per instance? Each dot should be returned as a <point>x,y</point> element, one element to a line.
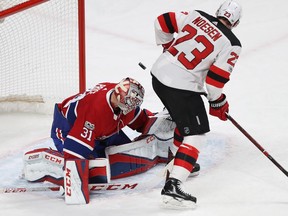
<point>193,174</point>
<point>169,202</point>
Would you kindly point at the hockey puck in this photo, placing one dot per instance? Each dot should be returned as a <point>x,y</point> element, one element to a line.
<point>142,66</point>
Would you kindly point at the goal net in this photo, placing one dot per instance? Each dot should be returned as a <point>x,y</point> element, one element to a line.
<point>42,53</point>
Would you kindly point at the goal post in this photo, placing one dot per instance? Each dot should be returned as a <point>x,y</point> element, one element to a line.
<point>42,53</point>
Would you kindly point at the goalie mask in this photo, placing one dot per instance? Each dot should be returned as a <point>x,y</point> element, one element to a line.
<point>230,10</point>
<point>129,94</point>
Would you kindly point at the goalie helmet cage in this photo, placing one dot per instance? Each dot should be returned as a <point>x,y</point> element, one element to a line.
<point>42,53</point>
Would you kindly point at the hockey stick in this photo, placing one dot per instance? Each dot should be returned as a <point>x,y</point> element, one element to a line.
<point>27,189</point>
<point>256,144</point>
<point>92,187</point>
<point>120,186</point>
<point>132,186</point>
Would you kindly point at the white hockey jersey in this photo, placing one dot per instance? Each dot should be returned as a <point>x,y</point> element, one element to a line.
<point>203,51</point>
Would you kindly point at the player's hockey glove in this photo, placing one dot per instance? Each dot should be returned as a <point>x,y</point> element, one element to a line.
<point>219,107</point>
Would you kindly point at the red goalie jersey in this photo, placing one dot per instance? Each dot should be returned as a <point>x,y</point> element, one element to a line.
<point>203,51</point>
<point>82,119</point>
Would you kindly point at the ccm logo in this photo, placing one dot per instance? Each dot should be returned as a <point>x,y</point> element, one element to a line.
<point>150,139</point>
<point>68,182</point>
<point>113,187</point>
<point>54,159</point>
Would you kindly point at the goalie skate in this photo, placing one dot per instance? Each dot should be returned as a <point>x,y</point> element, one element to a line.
<point>173,196</point>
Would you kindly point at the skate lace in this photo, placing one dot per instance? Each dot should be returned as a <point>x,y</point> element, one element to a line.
<point>179,188</point>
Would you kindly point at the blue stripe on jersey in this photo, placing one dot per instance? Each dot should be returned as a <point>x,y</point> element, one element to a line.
<point>76,148</point>
<point>60,123</point>
<point>71,113</point>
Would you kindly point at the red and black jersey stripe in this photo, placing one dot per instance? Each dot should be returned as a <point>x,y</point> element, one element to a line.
<point>168,22</point>
<point>217,77</point>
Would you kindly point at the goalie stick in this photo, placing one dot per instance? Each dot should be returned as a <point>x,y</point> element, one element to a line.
<point>105,187</point>
<point>235,123</point>
<point>132,186</point>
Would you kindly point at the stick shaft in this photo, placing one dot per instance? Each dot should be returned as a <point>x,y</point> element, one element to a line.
<point>131,186</point>
<point>27,189</point>
<point>92,187</point>
<point>236,124</point>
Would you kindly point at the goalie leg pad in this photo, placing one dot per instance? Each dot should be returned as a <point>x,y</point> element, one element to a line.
<point>76,181</point>
<point>46,165</point>
<point>43,165</point>
<point>134,158</point>
<point>99,171</point>
<point>125,165</point>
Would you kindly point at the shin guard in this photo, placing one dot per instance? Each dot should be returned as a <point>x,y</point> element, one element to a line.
<point>99,171</point>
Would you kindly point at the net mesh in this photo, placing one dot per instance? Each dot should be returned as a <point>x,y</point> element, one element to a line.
<point>39,52</point>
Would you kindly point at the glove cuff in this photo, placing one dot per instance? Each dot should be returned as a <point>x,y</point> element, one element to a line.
<point>219,102</point>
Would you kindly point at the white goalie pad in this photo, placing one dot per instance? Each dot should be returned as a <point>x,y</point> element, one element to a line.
<point>121,161</point>
<point>79,173</point>
<point>148,147</point>
<point>76,177</point>
<point>43,165</point>
<point>47,165</point>
<point>136,157</point>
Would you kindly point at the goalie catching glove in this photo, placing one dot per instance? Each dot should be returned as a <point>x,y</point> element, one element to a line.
<point>219,107</point>
<point>160,125</point>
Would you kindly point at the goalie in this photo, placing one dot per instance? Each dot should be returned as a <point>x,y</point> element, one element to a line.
<point>87,126</point>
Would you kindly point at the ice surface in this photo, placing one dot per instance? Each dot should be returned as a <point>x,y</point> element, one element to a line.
<point>236,178</point>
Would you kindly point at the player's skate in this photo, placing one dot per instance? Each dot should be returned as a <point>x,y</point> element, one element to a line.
<point>173,195</point>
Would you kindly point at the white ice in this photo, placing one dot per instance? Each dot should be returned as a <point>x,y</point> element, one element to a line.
<point>236,178</point>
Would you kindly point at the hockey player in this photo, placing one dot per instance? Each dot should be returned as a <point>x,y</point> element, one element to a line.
<point>96,118</point>
<point>96,115</point>
<point>81,122</point>
<point>198,49</point>
<point>86,130</point>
